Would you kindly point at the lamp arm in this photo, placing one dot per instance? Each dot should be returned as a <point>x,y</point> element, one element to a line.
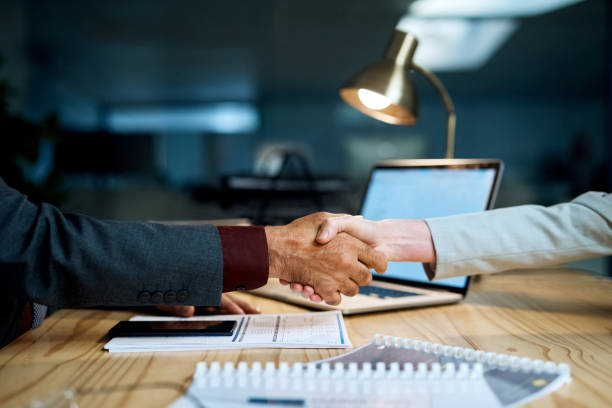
<point>448,104</point>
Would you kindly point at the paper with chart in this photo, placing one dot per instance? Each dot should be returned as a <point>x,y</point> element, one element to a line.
<point>300,330</point>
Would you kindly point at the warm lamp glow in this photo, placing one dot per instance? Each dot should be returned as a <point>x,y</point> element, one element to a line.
<point>373,100</point>
<point>385,91</point>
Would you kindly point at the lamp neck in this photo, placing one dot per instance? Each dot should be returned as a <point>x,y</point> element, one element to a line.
<point>448,104</point>
<point>401,48</point>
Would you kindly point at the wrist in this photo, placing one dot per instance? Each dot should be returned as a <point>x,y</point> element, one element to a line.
<point>424,244</point>
<point>407,240</point>
<point>274,257</point>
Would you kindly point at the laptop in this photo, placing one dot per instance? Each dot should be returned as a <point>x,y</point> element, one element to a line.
<point>412,189</point>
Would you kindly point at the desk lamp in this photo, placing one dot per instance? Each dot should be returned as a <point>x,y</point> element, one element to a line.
<point>385,91</point>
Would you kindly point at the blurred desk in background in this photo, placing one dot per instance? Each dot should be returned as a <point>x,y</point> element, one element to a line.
<point>561,315</point>
<point>277,200</point>
<point>242,222</point>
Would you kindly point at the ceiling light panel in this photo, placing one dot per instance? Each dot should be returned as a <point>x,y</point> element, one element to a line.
<point>486,8</point>
<point>456,44</point>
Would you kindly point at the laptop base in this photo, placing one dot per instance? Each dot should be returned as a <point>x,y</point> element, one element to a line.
<point>362,303</point>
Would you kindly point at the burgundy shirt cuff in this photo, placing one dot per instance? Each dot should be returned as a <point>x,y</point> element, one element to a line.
<point>245,257</point>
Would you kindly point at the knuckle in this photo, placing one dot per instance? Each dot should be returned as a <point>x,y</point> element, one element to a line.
<point>321,215</point>
<point>326,291</point>
<point>343,239</point>
<point>380,257</point>
<point>345,261</point>
<point>333,301</point>
<point>370,252</point>
<point>352,291</point>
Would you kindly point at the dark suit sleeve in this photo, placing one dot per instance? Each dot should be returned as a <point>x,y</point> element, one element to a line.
<point>65,260</point>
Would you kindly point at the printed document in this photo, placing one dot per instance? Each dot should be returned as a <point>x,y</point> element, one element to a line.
<point>300,330</point>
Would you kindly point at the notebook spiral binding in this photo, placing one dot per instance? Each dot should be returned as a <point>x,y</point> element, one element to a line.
<point>475,357</point>
<point>457,377</point>
<point>339,370</point>
<point>392,382</point>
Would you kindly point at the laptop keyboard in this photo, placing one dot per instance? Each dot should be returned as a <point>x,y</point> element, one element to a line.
<point>377,291</point>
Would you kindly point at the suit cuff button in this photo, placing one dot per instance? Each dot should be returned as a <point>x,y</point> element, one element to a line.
<point>170,297</point>
<point>240,287</point>
<point>182,295</point>
<point>157,297</point>
<point>144,297</point>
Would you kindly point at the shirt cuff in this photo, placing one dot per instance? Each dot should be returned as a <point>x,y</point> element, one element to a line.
<point>245,257</point>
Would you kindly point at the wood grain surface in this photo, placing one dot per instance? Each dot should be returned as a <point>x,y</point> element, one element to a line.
<point>557,314</point>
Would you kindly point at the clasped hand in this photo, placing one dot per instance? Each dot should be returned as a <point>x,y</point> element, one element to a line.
<point>324,270</point>
<point>331,269</point>
<point>324,255</point>
<point>398,240</point>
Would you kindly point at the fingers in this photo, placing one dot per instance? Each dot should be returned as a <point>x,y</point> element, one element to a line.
<point>296,287</point>
<point>333,299</point>
<point>372,258</point>
<point>330,270</point>
<point>307,291</point>
<point>347,267</point>
<point>181,311</point>
<point>246,306</point>
<point>231,308</point>
<point>233,305</point>
<point>349,288</point>
<point>363,275</point>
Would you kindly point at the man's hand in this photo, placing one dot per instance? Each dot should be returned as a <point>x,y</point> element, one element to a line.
<point>399,240</point>
<point>180,311</point>
<point>229,305</point>
<point>339,267</point>
<point>233,305</point>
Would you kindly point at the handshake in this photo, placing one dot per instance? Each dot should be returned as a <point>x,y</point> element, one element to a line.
<point>324,255</point>
<point>318,261</point>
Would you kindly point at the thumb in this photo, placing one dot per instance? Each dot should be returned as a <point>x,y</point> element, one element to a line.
<point>329,229</point>
<point>353,225</point>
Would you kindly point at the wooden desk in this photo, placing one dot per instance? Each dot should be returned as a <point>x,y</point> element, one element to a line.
<point>559,315</point>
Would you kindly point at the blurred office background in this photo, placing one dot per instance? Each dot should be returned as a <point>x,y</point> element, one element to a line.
<point>158,110</point>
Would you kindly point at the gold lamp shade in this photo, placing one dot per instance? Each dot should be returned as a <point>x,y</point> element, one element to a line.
<point>387,82</point>
<point>385,91</point>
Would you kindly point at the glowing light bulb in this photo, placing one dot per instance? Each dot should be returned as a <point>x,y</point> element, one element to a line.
<point>373,100</point>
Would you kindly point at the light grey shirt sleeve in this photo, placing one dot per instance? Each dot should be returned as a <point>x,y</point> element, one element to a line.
<point>521,237</point>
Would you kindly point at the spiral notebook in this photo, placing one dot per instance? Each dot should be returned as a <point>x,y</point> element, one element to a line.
<point>387,372</point>
<point>514,380</point>
<point>325,385</point>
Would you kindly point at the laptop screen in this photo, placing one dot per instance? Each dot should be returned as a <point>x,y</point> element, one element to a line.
<point>426,192</point>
